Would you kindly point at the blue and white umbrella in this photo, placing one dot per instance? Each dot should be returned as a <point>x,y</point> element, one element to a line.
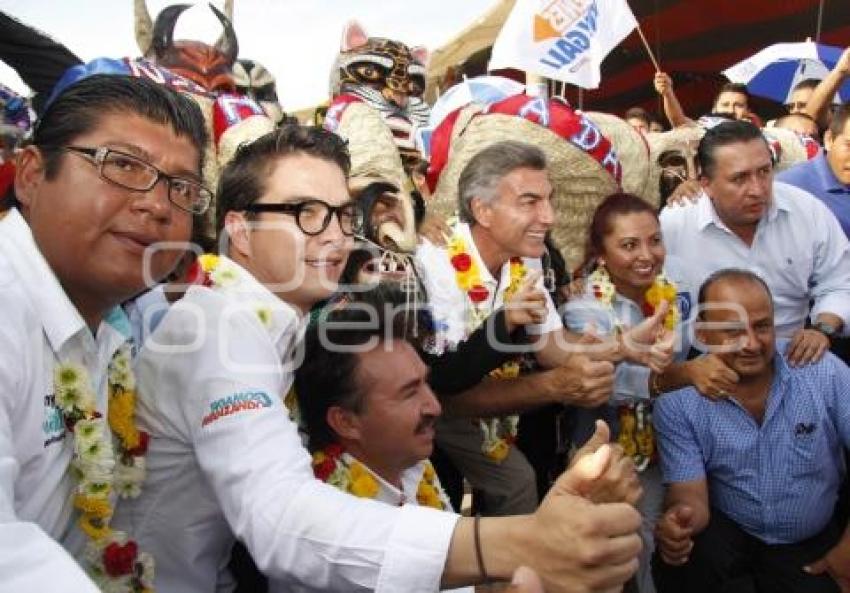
<point>773,72</point>
<point>482,90</point>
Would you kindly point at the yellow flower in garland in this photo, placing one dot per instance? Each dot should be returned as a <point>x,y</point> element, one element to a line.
<point>208,262</point>
<point>427,496</point>
<point>518,272</point>
<point>99,467</point>
<point>334,466</point>
<point>428,492</point>
<point>95,507</point>
<point>362,483</point>
<point>663,289</point>
<point>94,527</point>
<point>121,412</point>
<point>498,450</point>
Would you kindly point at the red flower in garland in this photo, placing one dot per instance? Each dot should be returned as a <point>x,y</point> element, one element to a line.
<point>325,469</point>
<point>461,262</point>
<point>334,450</point>
<point>120,560</point>
<point>142,447</point>
<point>478,294</point>
<point>648,310</point>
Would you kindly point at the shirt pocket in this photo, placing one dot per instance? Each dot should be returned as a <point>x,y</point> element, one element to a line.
<point>808,453</point>
<point>794,271</point>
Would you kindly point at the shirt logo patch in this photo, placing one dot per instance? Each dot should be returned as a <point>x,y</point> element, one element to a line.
<point>683,302</point>
<point>235,403</point>
<point>54,423</point>
<point>804,428</point>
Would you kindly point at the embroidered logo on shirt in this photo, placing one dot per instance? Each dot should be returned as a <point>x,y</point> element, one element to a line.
<point>804,428</point>
<point>53,424</point>
<point>683,302</point>
<point>235,403</point>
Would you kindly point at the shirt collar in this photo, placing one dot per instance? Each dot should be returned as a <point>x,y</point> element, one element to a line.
<point>466,232</point>
<point>707,215</point>
<point>388,493</point>
<point>60,318</point>
<point>825,177</point>
<point>282,315</point>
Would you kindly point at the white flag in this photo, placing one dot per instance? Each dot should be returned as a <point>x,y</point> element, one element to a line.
<point>562,39</point>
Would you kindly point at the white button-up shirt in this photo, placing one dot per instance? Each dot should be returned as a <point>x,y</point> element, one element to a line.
<point>450,306</point>
<point>39,326</point>
<point>799,250</point>
<point>225,460</point>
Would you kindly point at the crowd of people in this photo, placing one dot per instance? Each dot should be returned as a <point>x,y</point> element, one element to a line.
<point>293,375</point>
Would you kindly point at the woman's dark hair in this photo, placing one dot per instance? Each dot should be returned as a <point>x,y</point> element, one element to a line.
<point>243,180</point>
<point>601,224</point>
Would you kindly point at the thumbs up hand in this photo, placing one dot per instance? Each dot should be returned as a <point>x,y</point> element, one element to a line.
<point>674,534</point>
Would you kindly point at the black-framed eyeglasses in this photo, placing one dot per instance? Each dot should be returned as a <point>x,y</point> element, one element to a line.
<point>131,172</point>
<point>796,105</point>
<point>314,216</point>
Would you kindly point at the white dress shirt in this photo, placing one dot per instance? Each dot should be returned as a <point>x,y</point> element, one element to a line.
<point>410,479</point>
<point>389,494</point>
<point>225,460</point>
<point>450,306</point>
<point>799,250</point>
<point>39,326</point>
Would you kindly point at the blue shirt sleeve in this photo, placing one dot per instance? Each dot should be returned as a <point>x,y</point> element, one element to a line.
<point>681,456</point>
<point>838,397</point>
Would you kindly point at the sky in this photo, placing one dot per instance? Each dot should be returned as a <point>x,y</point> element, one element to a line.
<point>297,40</point>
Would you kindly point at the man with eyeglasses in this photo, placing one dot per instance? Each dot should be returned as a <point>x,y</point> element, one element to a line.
<point>113,167</point>
<point>225,462</point>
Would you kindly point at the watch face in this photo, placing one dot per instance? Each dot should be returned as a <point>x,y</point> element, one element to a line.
<point>825,329</point>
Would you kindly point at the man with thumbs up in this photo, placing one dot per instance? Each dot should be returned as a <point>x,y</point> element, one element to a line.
<point>488,278</point>
<point>753,479</point>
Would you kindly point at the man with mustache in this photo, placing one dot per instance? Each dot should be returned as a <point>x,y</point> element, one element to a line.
<point>753,480</point>
<point>788,237</point>
<point>225,461</point>
<point>355,411</point>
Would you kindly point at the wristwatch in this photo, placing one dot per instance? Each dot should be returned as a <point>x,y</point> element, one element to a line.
<point>826,329</point>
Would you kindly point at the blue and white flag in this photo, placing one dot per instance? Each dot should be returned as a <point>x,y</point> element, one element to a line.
<point>563,40</point>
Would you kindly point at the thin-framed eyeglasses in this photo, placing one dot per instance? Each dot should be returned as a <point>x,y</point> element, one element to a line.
<point>131,172</point>
<point>313,216</point>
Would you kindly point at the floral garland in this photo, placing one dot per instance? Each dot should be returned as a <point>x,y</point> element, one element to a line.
<point>500,432</point>
<point>662,289</point>
<point>114,560</point>
<point>636,434</point>
<point>333,466</point>
<point>214,271</point>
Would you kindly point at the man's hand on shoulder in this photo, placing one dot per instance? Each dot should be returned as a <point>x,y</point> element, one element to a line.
<point>806,346</point>
<point>688,192</point>
<point>435,229</point>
